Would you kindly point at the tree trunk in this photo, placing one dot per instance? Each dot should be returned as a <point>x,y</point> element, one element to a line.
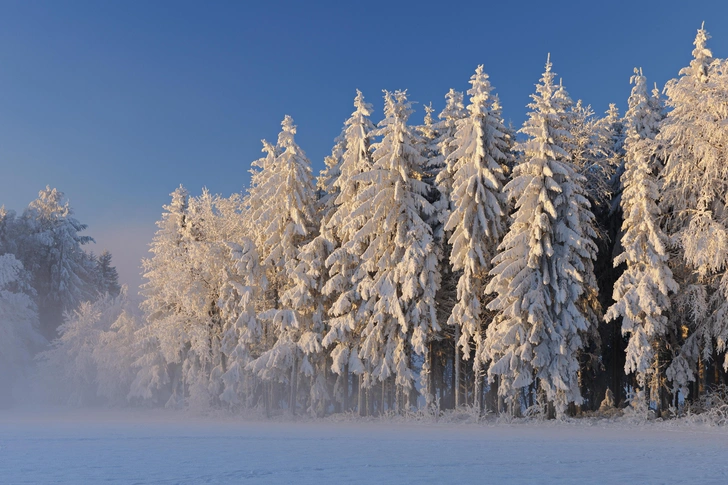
<point>345,403</point>
<point>477,386</point>
<point>361,403</point>
<point>294,385</point>
<point>456,364</point>
<point>370,400</point>
<point>266,398</point>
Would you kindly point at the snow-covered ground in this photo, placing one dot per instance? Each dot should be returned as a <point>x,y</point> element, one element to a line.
<point>171,448</point>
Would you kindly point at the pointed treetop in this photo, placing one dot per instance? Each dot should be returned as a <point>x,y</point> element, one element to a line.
<point>638,79</point>
<point>613,112</point>
<point>656,92</point>
<point>396,104</point>
<point>288,125</point>
<point>700,43</point>
<point>285,137</point>
<point>428,113</point>
<point>702,56</point>
<point>362,106</point>
<point>454,106</point>
<point>180,192</point>
<point>481,88</point>
<point>547,79</point>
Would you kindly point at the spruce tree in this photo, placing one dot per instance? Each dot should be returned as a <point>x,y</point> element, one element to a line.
<point>397,278</point>
<point>641,294</point>
<point>543,274</point>
<point>476,221</point>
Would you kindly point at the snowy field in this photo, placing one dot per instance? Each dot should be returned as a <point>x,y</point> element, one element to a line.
<point>168,448</point>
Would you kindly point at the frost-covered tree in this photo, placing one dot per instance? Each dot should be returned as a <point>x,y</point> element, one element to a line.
<point>476,221</point>
<point>641,294</point>
<point>695,148</point>
<point>397,278</point>
<point>286,221</point>
<point>346,319</point>
<point>165,273</point>
<point>51,251</point>
<point>543,274</point>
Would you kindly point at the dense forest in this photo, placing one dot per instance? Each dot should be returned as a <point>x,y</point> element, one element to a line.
<point>575,264</point>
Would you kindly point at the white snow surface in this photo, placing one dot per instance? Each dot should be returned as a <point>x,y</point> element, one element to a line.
<point>96,447</point>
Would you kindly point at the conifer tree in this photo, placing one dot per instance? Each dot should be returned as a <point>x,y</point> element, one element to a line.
<point>695,148</point>
<point>107,278</point>
<point>641,294</point>
<point>286,221</point>
<point>397,278</point>
<point>544,272</point>
<point>476,221</point>
<point>52,251</point>
<point>166,276</point>
<point>346,319</point>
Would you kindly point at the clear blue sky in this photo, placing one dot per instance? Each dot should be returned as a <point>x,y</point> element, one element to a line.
<point>118,102</point>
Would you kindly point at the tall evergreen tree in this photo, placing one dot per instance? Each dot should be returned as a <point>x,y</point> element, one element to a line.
<point>695,149</point>
<point>346,317</point>
<point>286,222</point>
<point>544,272</point>
<point>476,222</point>
<point>397,278</point>
<point>52,251</point>
<point>641,294</point>
<point>165,272</point>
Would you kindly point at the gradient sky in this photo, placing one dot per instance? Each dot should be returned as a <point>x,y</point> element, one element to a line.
<point>118,102</point>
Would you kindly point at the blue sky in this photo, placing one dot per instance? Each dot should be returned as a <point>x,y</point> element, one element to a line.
<point>118,102</point>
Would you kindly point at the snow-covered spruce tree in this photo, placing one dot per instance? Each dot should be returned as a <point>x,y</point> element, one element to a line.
<point>641,294</point>
<point>397,279</point>
<point>19,336</point>
<point>346,317</point>
<point>476,221</point>
<point>287,220</point>
<point>695,144</point>
<point>543,274</point>
<point>164,337</point>
<point>51,251</point>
